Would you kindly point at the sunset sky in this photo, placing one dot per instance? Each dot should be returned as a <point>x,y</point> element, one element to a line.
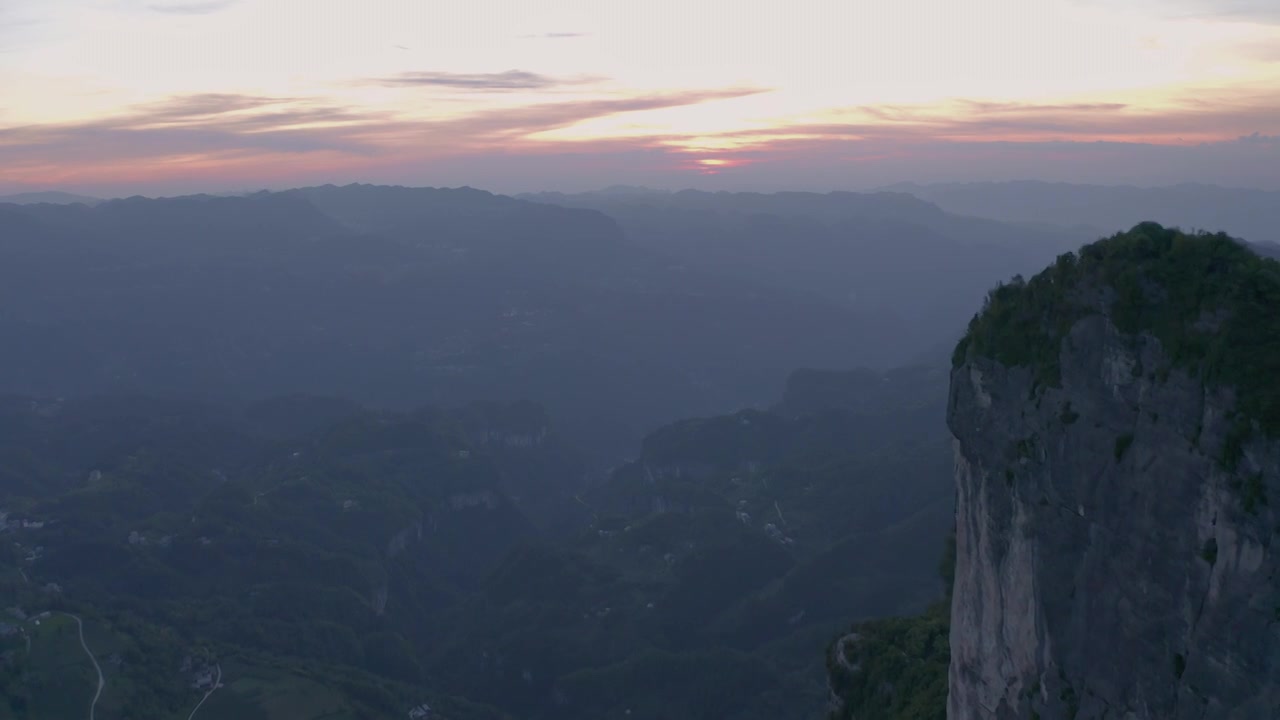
<point>166,96</point>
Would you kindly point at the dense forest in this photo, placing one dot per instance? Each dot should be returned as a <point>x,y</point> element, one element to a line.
<point>393,556</point>
<point>373,451</point>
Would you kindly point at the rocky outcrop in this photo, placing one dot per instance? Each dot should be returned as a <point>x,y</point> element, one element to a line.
<point>1117,534</point>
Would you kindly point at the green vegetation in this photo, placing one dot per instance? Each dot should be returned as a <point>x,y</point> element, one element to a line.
<point>1179,665</point>
<point>347,564</point>
<point>53,679</point>
<point>901,668</point>
<point>1208,299</point>
<point>1069,696</point>
<point>1233,444</point>
<point>1068,415</point>
<point>1253,493</point>
<point>1022,323</point>
<point>1122,445</point>
<point>718,684</point>
<point>193,537</point>
<point>896,668</point>
<point>1209,553</point>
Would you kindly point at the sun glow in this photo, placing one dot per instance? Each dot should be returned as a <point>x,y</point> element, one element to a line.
<point>91,84</point>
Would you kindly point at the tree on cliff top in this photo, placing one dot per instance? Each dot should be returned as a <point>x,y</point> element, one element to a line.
<point>1213,304</point>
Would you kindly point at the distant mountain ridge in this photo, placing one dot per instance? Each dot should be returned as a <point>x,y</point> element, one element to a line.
<point>397,297</point>
<point>887,253</point>
<point>618,311</point>
<point>52,197</point>
<point>1253,215</point>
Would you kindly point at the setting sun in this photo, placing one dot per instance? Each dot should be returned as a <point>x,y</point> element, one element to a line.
<point>609,360</point>
<point>399,89</point>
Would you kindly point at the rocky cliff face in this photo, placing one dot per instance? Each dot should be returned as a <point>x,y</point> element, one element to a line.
<point>1117,525</point>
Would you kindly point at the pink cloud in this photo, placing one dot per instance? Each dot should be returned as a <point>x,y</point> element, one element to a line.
<point>235,141</point>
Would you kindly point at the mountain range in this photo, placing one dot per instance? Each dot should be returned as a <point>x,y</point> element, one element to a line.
<point>368,451</point>
<point>396,297</point>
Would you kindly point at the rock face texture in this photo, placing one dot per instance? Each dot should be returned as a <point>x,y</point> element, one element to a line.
<point>1118,540</point>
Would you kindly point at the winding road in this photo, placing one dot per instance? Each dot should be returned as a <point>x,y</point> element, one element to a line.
<point>93,706</point>
<point>216,684</point>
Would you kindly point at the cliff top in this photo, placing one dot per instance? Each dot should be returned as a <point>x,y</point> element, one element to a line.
<point>1212,303</point>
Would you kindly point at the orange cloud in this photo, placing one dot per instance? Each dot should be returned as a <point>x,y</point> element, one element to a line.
<point>1208,116</point>
<point>221,133</point>
<point>232,139</point>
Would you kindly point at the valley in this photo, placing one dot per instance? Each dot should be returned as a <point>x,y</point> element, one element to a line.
<point>392,492</point>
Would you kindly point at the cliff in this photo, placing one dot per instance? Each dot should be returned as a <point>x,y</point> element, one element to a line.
<point>1115,425</point>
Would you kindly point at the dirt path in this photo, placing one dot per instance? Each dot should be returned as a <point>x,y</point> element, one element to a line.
<point>93,706</point>
<point>217,683</point>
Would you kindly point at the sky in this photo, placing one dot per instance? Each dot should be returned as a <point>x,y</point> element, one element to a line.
<point>115,97</point>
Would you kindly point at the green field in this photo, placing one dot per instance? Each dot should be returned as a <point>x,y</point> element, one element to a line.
<point>255,692</point>
<point>55,680</point>
<point>59,680</point>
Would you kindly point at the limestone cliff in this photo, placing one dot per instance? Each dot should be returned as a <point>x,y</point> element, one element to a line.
<point>1118,482</point>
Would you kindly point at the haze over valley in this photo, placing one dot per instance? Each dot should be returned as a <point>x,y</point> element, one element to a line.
<point>583,361</point>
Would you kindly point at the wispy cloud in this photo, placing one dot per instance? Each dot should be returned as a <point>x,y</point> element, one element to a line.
<point>198,107</point>
<point>212,132</point>
<point>509,80</point>
<point>1206,116</point>
<point>199,7</point>
<point>244,138</point>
